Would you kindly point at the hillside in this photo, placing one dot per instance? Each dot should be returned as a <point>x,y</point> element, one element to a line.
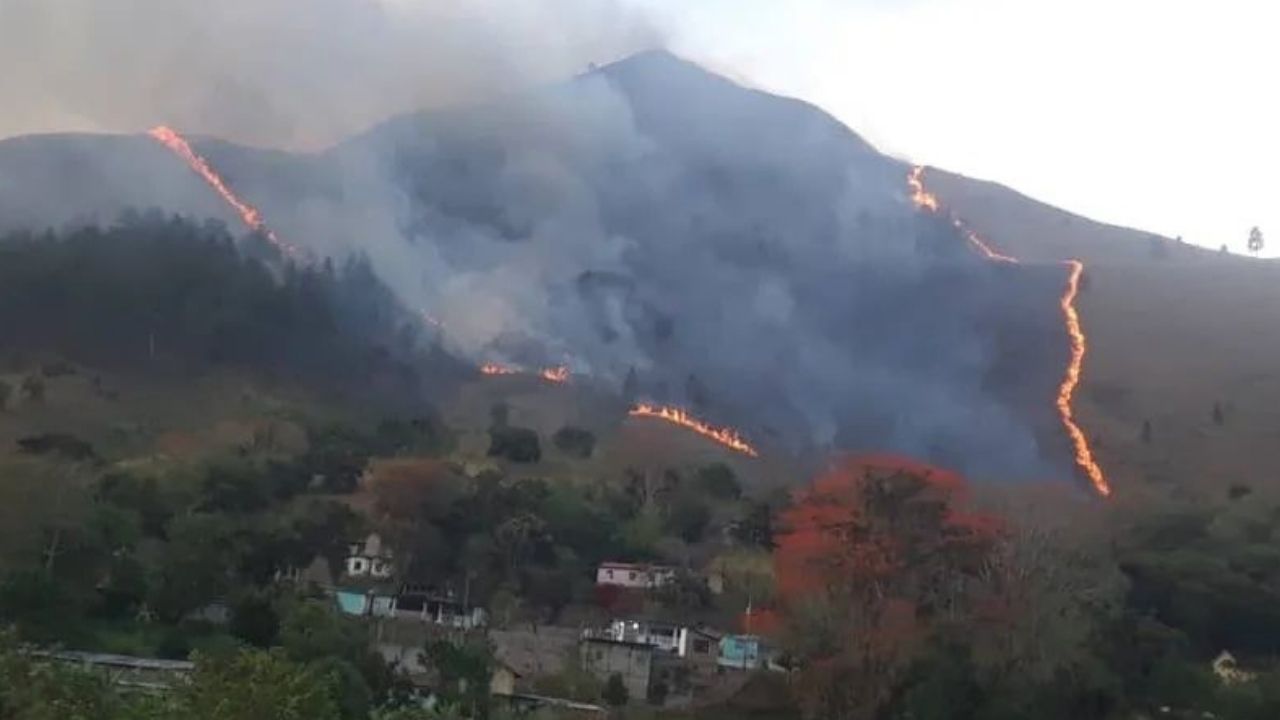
<point>738,252</point>
<point>1174,329</point>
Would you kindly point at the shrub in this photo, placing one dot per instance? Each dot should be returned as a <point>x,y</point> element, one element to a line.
<point>516,444</point>
<point>575,441</point>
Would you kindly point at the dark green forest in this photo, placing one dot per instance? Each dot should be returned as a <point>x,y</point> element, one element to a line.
<point>164,294</point>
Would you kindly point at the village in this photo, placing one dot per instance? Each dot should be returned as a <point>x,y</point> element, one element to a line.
<point>660,662</point>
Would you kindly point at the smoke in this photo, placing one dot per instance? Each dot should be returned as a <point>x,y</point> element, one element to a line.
<point>286,73</point>
<point>745,254</point>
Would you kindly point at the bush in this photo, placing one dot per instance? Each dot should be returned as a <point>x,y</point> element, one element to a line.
<point>62,444</point>
<point>719,481</point>
<point>575,441</point>
<point>516,444</point>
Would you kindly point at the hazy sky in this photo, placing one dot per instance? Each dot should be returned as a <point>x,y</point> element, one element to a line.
<point>1160,114</point>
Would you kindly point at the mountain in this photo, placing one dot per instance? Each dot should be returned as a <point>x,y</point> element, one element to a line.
<point>743,254</point>
<point>1175,331</point>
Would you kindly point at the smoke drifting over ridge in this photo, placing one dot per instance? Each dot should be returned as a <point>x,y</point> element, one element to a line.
<point>286,73</point>
<point>744,254</point>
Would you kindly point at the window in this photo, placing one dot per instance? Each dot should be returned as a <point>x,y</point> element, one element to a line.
<point>608,574</point>
<point>631,575</point>
<point>701,646</point>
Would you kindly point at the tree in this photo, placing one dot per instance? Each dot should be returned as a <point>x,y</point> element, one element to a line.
<point>630,386</point>
<point>615,691</point>
<point>873,557</point>
<point>517,444</point>
<point>463,671</point>
<point>719,481</point>
<point>575,441</point>
<point>1255,240</point>
<point>258,685</point>
<point>33,388</point>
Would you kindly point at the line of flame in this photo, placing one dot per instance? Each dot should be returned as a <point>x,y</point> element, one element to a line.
<point>725,436</point>
<point>925,200</point>
<point>558,374</point>
<point>490,368</point>
<point>250,215</point>
<point>1066,392</point>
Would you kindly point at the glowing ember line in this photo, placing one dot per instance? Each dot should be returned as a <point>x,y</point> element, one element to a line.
<point>248,214</point>
<point>559,374</point>
<point>1084,458</point>
<point>494,369</point>
<point>725,436</point>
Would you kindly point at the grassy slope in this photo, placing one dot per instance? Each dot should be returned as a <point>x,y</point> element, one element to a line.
<point>134,417</point>
<point>1168,337</point>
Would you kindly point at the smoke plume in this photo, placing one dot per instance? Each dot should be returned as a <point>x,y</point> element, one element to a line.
<point>285,73</point>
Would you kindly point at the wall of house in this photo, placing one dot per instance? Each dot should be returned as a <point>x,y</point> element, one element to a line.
<point>633,662</point>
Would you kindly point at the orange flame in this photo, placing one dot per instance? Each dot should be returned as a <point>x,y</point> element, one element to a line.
<point>725,436</point>
<point>250,215</point>
<point>496,369</point>
<point>1084,456</point>
<point>558,374</point>
<point>925,200</point>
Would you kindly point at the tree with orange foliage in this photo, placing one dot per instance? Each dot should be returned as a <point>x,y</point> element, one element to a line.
<point>870,559</point>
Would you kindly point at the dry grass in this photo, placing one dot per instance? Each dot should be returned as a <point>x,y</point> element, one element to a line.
<point>1171,332</point>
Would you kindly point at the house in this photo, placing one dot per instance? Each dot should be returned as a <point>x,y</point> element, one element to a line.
<point>441,609</point>
<point>633,662</point>
<point>370,558</point>
<point>663,636</point>
<point>745,652</point>
<point>634,576</point>
<point>365,602</point>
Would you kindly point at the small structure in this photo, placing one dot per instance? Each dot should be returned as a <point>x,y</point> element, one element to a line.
<point>662,636</point>
<point>440,609</point>
<point>634,576</point>
<point>372,602</point>
<point>633,662</point>
<point>139,673</point>
<point>744,652</point>
<point>369,558</point>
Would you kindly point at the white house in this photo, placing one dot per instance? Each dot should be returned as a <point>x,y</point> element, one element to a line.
<point>369,558</point>
<point>665,637</point>
<point>631,575</point>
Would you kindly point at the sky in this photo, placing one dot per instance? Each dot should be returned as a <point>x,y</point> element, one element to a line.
<point>1157,114</point>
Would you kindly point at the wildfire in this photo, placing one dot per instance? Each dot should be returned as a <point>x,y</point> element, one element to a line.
<point>558,374</point>
<point>250,215</point>
<point>725,436</point>
<point>1084,456</point>
<point>496,369</point>
<point>921,197</point>
<point>925,200</point>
